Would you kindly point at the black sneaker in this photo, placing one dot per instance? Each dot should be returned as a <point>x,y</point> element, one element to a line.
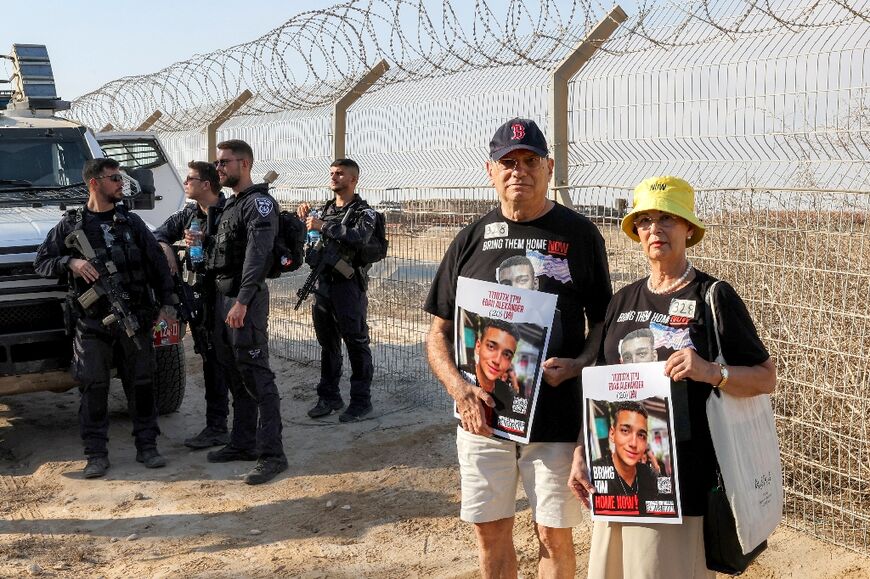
<point>207,438</point>
<point>229,454</point>
<point>96,467</point>
<point>324,408</point>
<point>150,458</point>
<point>265,470</point>
<point>355,412</point>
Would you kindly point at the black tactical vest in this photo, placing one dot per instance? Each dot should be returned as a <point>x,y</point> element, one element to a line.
<point>226,253</point>
<point>118,245</point>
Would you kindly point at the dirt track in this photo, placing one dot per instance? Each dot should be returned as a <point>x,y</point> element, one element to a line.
<point>374,499</point>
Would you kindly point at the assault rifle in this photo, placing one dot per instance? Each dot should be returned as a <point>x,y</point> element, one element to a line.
<point>191,310</point>
<point>109,285</point>
<point>331,256</point>
<point>191,306</point>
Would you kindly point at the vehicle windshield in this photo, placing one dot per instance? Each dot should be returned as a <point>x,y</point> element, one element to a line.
<point>41,162</point>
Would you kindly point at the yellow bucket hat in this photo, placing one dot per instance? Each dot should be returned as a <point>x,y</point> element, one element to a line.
<point>670,195</point>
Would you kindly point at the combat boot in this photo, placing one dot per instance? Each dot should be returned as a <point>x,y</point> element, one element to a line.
<point>229,454</point>
<point>96,467</point>
<point>266,469</point>
<point>207,438</point>
<point>325,407</point>
<point>355,412</point>
<point>150,458</point>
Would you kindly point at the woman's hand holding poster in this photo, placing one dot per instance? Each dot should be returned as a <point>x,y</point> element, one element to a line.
<point>628,427</point>
<point>502,334</point>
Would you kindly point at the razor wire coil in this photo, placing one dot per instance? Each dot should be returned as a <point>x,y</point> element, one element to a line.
<point>314,57</point>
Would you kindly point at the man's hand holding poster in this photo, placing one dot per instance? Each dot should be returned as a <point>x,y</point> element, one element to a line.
<point>628,425</point>
<point>502,334</point>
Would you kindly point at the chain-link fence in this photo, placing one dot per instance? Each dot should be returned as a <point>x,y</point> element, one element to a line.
<point>799,258</point>
<point>765,107</point>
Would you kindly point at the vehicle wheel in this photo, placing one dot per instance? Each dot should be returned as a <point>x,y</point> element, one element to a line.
<point>169,377</point>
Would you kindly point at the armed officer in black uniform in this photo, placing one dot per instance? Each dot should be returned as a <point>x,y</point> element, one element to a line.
<point>203,188</point>
<point>340,303</point>
<point>240,255</point>
<point>133,283</point>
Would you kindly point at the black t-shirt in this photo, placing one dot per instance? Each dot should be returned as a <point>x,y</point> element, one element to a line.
<point>509,411</point>
<point>96,225</point>
<point>677,321</point>
<point>644,486</point>
<point>568,255</point>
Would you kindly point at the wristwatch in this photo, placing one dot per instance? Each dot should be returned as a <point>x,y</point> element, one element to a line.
<point>723,371</point>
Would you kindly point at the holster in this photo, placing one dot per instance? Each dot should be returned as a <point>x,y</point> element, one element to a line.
<point>228,286</point>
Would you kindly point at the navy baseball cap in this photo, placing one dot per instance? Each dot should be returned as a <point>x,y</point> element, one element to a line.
<point>517,134</point>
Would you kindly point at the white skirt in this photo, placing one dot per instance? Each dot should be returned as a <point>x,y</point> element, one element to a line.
<point>651,551</point>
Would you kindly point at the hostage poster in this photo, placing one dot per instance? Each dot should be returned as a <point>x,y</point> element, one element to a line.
<point>501,339</point>
<point>628,424</point>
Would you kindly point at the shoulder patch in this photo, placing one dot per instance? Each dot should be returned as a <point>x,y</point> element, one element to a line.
<point>264,206</point>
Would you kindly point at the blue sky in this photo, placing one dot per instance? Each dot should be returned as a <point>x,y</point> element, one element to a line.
<point>91,42</point>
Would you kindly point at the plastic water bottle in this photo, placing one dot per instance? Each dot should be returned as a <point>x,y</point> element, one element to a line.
<point>194,249</point>
<point>313,236</point>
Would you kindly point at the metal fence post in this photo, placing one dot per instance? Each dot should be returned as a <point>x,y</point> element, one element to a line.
<point>221,118</point>
<point>561,75</point>
<point>339,109</point>
<point>149,122</point>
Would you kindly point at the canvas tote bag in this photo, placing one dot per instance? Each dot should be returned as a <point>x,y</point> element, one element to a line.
<point>744,437</point>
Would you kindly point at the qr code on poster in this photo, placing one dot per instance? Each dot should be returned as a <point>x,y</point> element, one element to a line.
<point>665,485</point>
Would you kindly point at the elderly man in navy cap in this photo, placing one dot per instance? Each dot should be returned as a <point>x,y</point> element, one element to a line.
<point>567,253</point>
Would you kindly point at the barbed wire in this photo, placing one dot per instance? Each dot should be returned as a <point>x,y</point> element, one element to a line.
<point>315,57</point>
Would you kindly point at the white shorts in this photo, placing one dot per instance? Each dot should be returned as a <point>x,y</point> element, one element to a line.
<point>490,469</point>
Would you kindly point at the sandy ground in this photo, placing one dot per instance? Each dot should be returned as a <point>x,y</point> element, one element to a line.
<point>373,499</point>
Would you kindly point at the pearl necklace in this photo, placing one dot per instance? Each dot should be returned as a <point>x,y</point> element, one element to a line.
<point>674,285</point>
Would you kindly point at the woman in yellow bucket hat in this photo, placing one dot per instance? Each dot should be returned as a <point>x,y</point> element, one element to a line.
<point>669,305</point>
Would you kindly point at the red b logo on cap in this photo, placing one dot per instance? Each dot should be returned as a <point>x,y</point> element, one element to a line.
<point>519,132</point>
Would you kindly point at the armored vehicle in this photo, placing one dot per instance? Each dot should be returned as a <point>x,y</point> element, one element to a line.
<point>41,161</point>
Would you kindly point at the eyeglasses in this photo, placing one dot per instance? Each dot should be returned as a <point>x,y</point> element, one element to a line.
<point>511,164</point>
<point>225,162</point>
<point>116,177</point>
<point>664,221</point>
<point>189,179</point>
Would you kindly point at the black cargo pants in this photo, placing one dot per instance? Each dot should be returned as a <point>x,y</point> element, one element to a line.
<point>339,313</point>
<point>243,356</point>
<point>217,399</point>
<point>216,391</point>
<point>94,349</point>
